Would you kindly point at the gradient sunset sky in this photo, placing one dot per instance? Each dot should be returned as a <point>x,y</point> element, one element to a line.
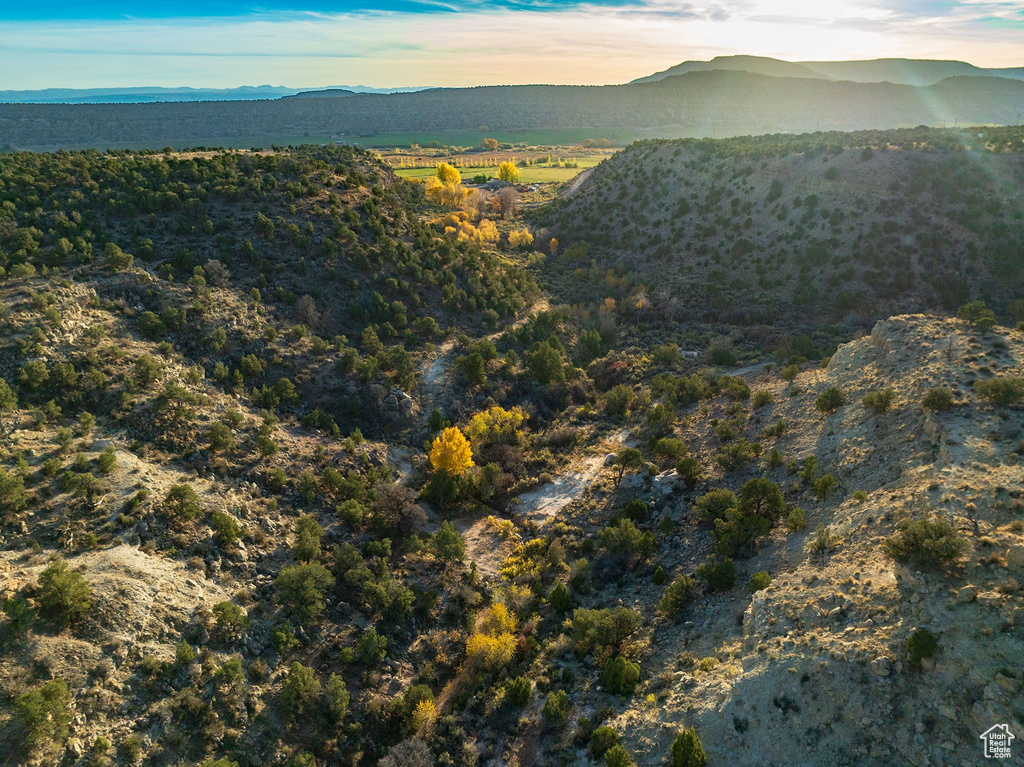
<point>309,43</point>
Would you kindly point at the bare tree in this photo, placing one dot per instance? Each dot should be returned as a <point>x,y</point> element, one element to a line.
<point>408,753</point>
<point>509,198</point>
<point>396,510</point>
<point>216,273</point>
<point>305,310</point>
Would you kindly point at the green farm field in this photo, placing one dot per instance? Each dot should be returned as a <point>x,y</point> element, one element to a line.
<point>531,174</point>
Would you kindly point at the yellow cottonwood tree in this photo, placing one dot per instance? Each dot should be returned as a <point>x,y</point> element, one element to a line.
<point>449,195</point>
<point>493,645</point>
<point>520,238</point>
<point>508,171</point>
<point>496,425</point>
<point>448,174</point>
<point>489,653</point>
<point>451,452</point>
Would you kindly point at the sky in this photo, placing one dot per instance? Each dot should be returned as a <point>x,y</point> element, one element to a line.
<point>390,43</point>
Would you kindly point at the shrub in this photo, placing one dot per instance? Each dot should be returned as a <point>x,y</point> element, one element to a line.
<point>879,401</point>
<point>788,373</point>
<point>221,438</point>
<point>619,676</point>
<point>63,593</point>
<point>618,400</point>
<point>625,543</point>
<point>722,356</point>
<point>669,449</point>
<point>636,510</point>
<point>181,502</point>
<point>978,314</point>
<point>677,595</point>
<point>300,690</point>
<point>762,398</point>
<point>939,398</point>
<point>12,493</point>
<point>559,598</point>
<point>824,485</point>
<point>20,617</point>
<point>921,644</point>
<point>556,708</point>
<point>308,533</point>
<point>737,453</point>
<point>687,750</point>
<point>690,470</point>
<point>713,504</point>
<point>929,542</point>
<point>184,654</point>
<point>604,628</point>
<point>824,541</point>
<point>231,619</point>
<point>618,756</point>
<point>448,544</point>
<point>760,580</point>
<point>42,714</point>
<point>719,575</point>
<point>796,519</point>
<point>371,648</point>
<point>301,589</point>
<point>226,528</point>
<point>830,400</point>
<point>602,739</point>
<point>518,691</point>
<point>1001,390</point>
<point>107,460</point>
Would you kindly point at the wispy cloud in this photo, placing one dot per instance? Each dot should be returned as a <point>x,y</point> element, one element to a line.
<point>472,42</point>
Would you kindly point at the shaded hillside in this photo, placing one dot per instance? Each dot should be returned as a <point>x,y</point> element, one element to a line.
<point>222,256</point>
<point>698,104</point>
<point>842,228</point>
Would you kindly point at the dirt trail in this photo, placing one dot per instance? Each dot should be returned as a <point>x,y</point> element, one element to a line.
<point>544,502</point>
<point>435,371</point>
<point>577,182</point>
<point>485,545</point>
<point>749,369</point>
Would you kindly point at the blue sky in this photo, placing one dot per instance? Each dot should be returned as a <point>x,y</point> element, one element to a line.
<point>225,43</point>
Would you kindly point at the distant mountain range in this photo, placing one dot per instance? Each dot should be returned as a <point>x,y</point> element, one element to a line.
<point>699,104</point>
<point>918,72</point>
<point>148,95</point>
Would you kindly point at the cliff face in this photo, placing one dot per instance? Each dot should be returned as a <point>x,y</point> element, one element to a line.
<point>815,669</point>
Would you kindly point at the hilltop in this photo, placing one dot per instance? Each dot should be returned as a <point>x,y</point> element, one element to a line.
<point>917,72</point>
<point>786,232</point>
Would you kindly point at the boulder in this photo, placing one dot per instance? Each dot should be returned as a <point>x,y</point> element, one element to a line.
<point>881,666</point>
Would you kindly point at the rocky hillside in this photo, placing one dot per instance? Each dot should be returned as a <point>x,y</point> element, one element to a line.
<point>815,229</point>
<point>522,533</point>
<point>816,667</point>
